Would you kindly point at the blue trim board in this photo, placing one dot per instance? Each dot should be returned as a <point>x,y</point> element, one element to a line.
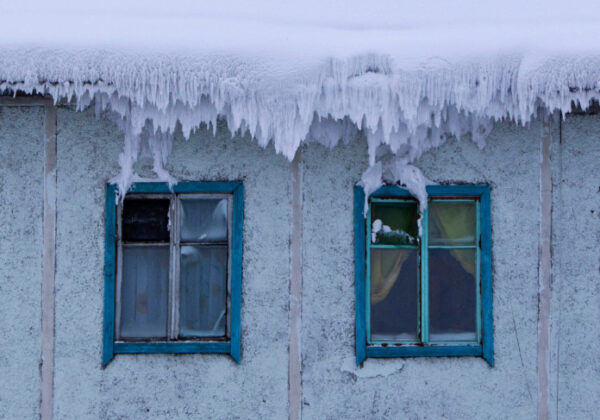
<point>359,260</point>
<point>424,278</point>
<point>393,191</point>
<point>236,271</point>
<point>185,187</point>
<point>110,254</point>
<point>172,347</point>
<point>233,346</point>
<point>423,351</point>
<point>486,277</point>
<point>486,349</point>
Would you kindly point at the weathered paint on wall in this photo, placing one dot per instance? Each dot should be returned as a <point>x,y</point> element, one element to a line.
<point>575,310</point>
<point>159,386</point>
<point>21,192</point>
<point>423,387</point>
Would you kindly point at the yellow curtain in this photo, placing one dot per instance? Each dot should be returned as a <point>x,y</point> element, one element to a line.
<point>453,221</point>
<point>456,222</point>
<point>383,278</point>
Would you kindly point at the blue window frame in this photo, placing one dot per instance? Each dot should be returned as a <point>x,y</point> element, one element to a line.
<point>168,253</point>
<point>427,294</point>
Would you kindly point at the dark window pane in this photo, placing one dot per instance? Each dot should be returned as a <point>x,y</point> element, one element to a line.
<point>146,220</point>
<point>452,223</point>
<point>394,295</point>
<point>394,223</point>
<point>452,295</point>
<point>203,304</point>
<point>203,220</point>
<point>144,291</point>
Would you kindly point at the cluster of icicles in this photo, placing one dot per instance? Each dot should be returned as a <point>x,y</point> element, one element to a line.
<point>401,113</point>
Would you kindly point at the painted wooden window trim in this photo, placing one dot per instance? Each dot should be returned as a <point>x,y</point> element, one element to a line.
<point>233,345</point>
<point>486,349</point>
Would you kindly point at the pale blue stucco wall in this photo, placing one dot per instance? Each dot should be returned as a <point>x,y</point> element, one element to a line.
<point>575,362</point>
<point>423,387</point>
<point>164,386</point>
<point>21,192</point>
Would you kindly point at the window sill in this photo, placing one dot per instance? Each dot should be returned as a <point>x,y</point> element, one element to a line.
<point>426,351</point>
<point>170,347</point>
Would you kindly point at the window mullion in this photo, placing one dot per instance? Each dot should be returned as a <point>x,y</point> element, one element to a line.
<point>478,270</point>
<point>119,279</point>
<point>173,272</point>
<point>368,272</point>
<point>425,277</point>
<point>229,246</point>
<point>177,267</point>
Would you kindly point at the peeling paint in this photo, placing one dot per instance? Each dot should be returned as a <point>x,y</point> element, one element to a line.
<point>372,367</point>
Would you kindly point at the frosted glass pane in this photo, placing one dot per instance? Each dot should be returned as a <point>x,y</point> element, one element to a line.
<point>452,295</point>
<point>144,291</point>
<point>145,220</point>
<point>203,220</point>
<point>203,308</point>
<point>452,223</point>
<point>394,223</point>
<point>394,295</point>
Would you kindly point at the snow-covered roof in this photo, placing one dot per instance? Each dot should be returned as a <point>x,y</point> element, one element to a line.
<point>405,72</point>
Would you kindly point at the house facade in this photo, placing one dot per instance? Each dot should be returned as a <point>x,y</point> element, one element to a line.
<point>298,309</point>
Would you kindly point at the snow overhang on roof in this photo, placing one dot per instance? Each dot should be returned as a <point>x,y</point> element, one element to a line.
<point>407,73</point>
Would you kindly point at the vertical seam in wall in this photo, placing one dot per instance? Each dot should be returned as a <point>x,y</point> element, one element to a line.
<point>49,263</point>
<point>544,273</point>
<point>295,304</point>
<point>558,303</point>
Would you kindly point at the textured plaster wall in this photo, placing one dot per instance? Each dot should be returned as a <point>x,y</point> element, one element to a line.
<point>422,387</point>
<point>213,386</point>
<point>575,363</point>
<point>21,188</point>
<point>167,386</point>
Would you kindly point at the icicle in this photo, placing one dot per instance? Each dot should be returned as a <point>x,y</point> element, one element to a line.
<point>408,111</point>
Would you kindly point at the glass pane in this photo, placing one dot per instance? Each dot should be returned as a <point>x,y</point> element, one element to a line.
<point>394,223</point>
<point>204,220</point>
<point>203,307</point>
<point>146,220</point>
<point>452,295</point>
<point>394,294</point>
<point>452,223</point>
<point>144,291</point>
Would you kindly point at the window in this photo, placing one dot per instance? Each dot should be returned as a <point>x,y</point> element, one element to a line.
<point>428,294</point>
<point>173,269</point>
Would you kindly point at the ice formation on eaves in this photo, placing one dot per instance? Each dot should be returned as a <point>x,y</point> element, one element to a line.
<point>403,111</point>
